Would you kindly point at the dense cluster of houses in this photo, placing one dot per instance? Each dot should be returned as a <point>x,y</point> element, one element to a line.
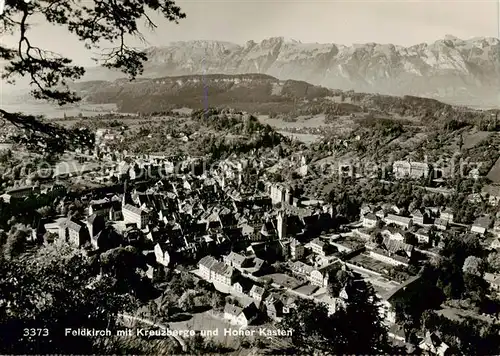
<point>236,273</point>
<point>191,214</point>
<point>196,217</point>
<point>234,232</point>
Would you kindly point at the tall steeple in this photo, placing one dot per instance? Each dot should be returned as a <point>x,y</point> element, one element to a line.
<point>125,193</point>
<point>282,224</point>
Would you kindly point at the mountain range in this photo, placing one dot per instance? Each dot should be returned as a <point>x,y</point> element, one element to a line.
<point>465,72</point>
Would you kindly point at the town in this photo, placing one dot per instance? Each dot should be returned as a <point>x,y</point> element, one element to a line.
<point>261,243</point>
<point>191,184</point>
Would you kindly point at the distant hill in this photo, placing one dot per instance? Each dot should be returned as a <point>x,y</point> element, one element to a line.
<point>465,72</point>
<point>260,93</point>
<point>247,92</point>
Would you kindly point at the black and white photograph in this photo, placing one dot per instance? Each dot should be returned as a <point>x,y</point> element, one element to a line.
<point>250,177</point>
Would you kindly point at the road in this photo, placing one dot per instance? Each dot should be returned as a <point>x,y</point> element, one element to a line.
<point>153,324</point>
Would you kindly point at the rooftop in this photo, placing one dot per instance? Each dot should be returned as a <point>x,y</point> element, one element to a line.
<point>235,258</point>
<point>232,309</point>
<point>398,218</point>
<point>134,209</point>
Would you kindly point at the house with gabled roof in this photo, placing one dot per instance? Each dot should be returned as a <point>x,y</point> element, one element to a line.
<point>394,246</point>
<point>236,260</point>
<point>132,214</point>
<point>243,285</point>
<point>369,220</point>
<point>268,229</point>
<point>423,235</point>
<point>393,234</point>
<point>205,266</point>
<point>419,217</point>
<point>74,232</point>
<point>95,224</point>
<point>215,271</point>
<point>388,257</point>
<point>401,221</point>
<point>109,209</point>
<point>274,306</point>
<point>257,292</point>
<point>259,264</point>
<point>320,276</point>
<point>389,298</point>
<point>248,232</point>
<point>302,269</point>
<point>482,224</point>
<point>162,253</point>
<point>441,224</point>
<point>415,170</point>
<point>106,239</point>
<point>434,345</point>
<point>447,215</point>
<point>320,247</point>
<point>241,316</point>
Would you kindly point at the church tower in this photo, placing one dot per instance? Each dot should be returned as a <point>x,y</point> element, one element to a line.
<point>281,225</point>
<point>125,199</point>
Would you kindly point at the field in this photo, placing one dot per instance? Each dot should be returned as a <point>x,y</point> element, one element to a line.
<point>305,138</point>
<point>74,167</point>
<point>459,314</point>
<point>494,173</point>
<point>301,122</point>
<point>307,289</point>
<point>131,121</point>
<point>55,111</point>
<point>412,142</point>
<point>472,139</point>
<point>313,125</point>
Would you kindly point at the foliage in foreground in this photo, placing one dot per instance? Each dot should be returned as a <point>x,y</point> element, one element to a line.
<point>96,23</point>
<point>54,289</point>
<point>357,329</point>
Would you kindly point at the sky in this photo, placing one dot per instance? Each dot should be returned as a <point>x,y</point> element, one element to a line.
<point>402,22</point>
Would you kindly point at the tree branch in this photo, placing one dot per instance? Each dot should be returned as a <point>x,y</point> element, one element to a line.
<point>108,21</point>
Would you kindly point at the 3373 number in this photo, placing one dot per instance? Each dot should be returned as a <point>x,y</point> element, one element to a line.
<point>35,332</point>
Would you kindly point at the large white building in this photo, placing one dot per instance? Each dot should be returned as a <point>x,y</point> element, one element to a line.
<point>281,225</point>
<point>369,220</point>
<point>74,232</point>
<point>132,214</point>
<point>447,214</point>
<point>320,276</point>
<point>281,194</point>
<point>162,255</point>
<point>406,169</point>
<point>297,250</point>
<point>481,225</point>
<point>401,221</point>
<point>215,271</point>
